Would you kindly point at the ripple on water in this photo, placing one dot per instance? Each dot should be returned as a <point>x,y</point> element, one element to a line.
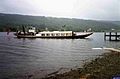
<point>42,56</point>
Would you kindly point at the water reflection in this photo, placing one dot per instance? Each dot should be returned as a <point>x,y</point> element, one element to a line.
<point>42,56</point>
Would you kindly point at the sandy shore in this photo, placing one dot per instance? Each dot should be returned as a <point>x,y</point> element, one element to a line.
<point>103,67</point>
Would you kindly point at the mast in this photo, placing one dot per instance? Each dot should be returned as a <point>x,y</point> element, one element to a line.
<point>23,28</point>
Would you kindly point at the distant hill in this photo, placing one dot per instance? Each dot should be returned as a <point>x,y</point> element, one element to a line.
<point>116,22</point>
<point>42,22</point>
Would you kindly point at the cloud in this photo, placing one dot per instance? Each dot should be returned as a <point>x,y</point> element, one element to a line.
<point>83,9</point>
<point>99,9</point>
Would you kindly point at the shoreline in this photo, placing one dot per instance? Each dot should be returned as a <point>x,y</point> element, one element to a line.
<point>102,67</point>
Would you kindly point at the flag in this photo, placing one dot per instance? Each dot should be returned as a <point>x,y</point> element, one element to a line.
<point>8,31</point>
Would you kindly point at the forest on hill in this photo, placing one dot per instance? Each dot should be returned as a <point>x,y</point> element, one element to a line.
<point>15,21</point>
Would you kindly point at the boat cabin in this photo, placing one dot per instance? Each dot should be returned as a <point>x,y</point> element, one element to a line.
<point>55,33</point>
<point>31,30</point>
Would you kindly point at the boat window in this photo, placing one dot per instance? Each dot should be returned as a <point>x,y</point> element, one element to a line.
<point>62,34</point>
<point>67,34</point>
<point>70,34</point>
<point>43,34</point>
<point>52,35</point>
<point>47,34</point>
<point>57,34</point>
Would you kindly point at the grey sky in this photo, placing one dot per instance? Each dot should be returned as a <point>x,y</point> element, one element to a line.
<point>82,9</point>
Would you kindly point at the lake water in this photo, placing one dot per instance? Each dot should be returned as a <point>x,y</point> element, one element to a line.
<point>39,57</point>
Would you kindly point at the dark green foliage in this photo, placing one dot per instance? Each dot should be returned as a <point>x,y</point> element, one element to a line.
<point>41,22</point>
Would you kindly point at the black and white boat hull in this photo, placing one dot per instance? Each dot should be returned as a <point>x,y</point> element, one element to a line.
<point>81,35</point>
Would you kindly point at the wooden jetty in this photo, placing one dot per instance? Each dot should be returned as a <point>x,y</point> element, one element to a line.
<point>112,36</point>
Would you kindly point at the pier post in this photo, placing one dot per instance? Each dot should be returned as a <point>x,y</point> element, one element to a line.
<point>105,36</point>
<point>110,36</point>
<point>116,36</point>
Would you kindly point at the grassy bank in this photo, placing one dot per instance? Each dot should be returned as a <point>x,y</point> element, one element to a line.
<point>103,67</point>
